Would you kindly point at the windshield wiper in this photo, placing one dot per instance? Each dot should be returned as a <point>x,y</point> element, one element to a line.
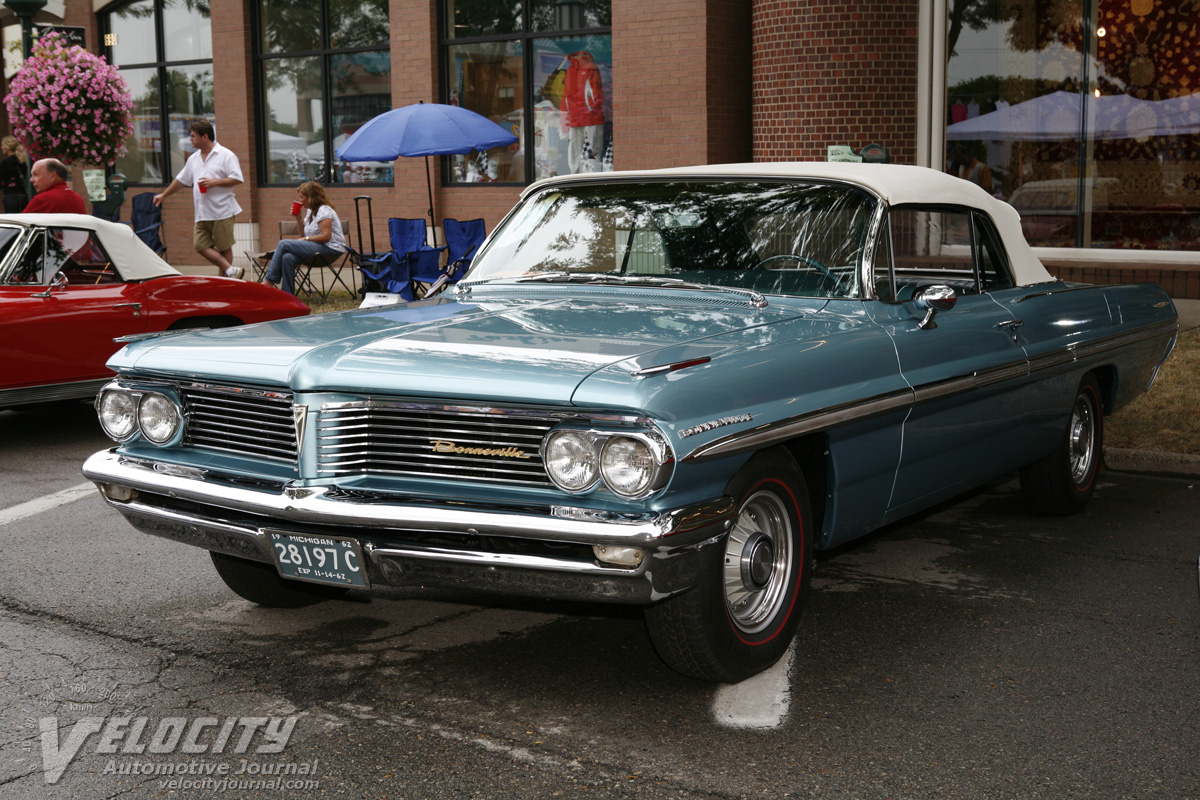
<point>611,279</point>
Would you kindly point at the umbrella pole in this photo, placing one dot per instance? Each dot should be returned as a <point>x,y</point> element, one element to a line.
<point>429,186</point>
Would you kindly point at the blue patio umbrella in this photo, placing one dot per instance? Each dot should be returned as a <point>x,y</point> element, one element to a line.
<point>423,129</point>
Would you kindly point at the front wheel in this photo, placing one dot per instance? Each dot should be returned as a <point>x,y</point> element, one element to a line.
<point>260,583</point>
<point>740,618</point>
<point>1063,482</point>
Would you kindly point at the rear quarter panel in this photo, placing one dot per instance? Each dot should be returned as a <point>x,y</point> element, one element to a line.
<point>172,298</point>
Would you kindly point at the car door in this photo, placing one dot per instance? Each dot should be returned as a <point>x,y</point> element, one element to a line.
<point>966,365</point>
<point>63,305</point>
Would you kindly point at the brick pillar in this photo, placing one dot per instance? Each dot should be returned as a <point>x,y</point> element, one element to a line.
<point>414,78</point>
<point>233,95</point>
<point>834,73</point>
<point>681,83</point>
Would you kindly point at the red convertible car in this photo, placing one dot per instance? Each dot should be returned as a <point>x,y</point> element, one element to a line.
<point>70,284</point>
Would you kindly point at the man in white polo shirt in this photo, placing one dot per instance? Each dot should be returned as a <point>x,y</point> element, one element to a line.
<point>212,172</point>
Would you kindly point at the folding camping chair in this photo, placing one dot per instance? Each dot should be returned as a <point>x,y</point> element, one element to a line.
<point>462,242</point>
<point>146,220</point>
<point>409,255</point>
<point>305,277</point>
<point>337,265</point>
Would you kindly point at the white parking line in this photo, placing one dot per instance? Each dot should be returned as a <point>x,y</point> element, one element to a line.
<point>46,503</point>
<point>757,702</point>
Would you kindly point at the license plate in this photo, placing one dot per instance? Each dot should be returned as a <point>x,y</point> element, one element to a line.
<point>318,559</point>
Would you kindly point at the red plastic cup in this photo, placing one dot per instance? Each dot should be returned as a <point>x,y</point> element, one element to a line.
<point>296,207</point>
<point>203,188</point>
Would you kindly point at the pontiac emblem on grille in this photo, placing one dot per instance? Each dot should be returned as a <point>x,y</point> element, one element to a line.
<point>443,446</point>
<point>300,417</point>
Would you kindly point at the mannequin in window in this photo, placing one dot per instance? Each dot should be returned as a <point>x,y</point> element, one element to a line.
<point>583,112</point>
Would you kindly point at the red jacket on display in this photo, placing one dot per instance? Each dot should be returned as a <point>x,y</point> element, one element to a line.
<point>583,92</point>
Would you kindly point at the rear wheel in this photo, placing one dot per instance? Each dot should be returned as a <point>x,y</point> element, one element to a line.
<point>1063,482</point>
<point>740,618</point>
<point>260,583</point>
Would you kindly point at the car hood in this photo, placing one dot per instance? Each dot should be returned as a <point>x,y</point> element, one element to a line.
<point>505,350</point>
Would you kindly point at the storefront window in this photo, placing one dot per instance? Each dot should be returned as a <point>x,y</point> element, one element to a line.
<point>489,80</point>
<point>164,51</point>
<point>1084,115</point>
<point>324,70</point>
<point>553,92</point>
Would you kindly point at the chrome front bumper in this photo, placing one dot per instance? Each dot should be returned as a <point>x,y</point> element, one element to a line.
<point>400,534</point>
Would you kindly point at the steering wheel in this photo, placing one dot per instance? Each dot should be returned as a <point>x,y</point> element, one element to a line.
<point>805,260</point>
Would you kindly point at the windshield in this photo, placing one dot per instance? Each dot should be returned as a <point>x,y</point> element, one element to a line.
<point>803,239</point>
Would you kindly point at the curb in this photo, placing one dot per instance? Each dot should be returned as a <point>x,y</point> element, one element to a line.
<point>1152,462</point>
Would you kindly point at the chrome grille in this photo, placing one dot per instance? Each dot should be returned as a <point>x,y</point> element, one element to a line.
<point>242,421</point>
<point>403,439</point>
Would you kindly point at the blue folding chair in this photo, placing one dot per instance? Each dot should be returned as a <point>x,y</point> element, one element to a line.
<point>462,242</point>
<point>394,270</point>
<point>146,220</point>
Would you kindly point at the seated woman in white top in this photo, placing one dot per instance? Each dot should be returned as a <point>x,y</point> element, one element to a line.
<point>322,234</point>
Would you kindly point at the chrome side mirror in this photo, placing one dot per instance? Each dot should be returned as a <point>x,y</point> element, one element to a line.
<point>59,282</point>
<point>934,299</point>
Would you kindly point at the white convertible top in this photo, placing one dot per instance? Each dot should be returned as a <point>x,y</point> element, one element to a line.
<point>133,260</point>
<point>895,184</point>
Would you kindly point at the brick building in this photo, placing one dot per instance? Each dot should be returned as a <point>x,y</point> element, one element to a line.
<point>1108,179</point>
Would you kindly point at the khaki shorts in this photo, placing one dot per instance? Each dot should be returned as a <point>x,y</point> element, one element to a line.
<point>216,233</point>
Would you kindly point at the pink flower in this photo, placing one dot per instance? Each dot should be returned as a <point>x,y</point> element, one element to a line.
<point>70,104</point>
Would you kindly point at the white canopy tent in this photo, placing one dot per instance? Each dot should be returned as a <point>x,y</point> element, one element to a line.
<point>1057,116</point>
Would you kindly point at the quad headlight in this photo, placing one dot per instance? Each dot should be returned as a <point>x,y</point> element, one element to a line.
<point>125,411</point>
<point>631,465</point>
<point>570,460</point>
<point>627,465</point>
<point>117,410</point>
<point>158,417</point>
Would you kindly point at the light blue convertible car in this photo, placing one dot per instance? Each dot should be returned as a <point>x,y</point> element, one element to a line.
<point>666,388</point>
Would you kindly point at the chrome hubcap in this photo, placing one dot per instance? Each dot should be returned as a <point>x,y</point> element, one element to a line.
<point>758,562</point>
<point>1081,440</point>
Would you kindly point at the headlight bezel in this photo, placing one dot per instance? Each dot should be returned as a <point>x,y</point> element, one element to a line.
<point>137,394</point>
<point>599,439</point>
<point>586,439</point>
<point>113,391</point>
<point>176,414</point>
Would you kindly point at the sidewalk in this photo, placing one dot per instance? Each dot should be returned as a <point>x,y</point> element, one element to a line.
<point>1189,314</point>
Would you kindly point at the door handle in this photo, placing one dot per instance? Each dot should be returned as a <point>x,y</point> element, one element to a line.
<point>137,307</point>
<point>1011,326</point>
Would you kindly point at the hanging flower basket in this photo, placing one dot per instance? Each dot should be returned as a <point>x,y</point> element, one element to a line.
<point>68,104</point>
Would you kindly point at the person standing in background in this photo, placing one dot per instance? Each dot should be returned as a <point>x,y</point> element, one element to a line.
<point>49,178</point>
<point>966,166</point>
<point>212,171</point>
<point>12,175</point>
